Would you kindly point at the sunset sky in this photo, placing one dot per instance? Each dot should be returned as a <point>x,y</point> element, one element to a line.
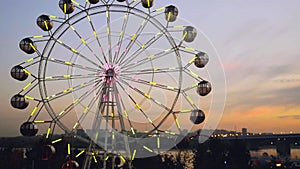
<point>257,41</point>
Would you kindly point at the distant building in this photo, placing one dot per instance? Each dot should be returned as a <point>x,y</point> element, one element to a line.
<point>244,131</point>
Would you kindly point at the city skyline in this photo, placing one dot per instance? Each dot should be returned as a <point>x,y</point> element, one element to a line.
<point>257,43</point>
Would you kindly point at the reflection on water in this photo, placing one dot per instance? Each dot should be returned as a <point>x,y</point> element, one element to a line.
<point>295,153</point>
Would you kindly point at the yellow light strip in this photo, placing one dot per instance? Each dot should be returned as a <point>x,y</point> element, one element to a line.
<point>27,86</point>
<point>107,14</point>
<point>193,60</point>
<point>53,17</point>
<point>37,37</point>
<point>67,76</point>
<point>184,35</point>
<point>152,83</point>
<point>89,18</point>
<point>27,72</point>
<point>123,159</point>
<point>148,149</point>
<point>190,99</point>
<point>94,157</point>
<point>170,87</point>
<point>39,121</point>
<point>133,155</point>
<point>76,3</point>
<point>59,41</point>
<point>95,34</point>
<point>83,41</point>
<point>31,45</point>
<point>74,50</point>
<point>158,34</point>
<point>146,95</point>
<point>86,110</point>
<point>190,48</point>
<point>177,123</point>
<point>133,37</point>
<point>194,85</point>
<point>138,106</point>
<point>75,125</point>
<point>167,50</point>
<point>68,63</point>
<point>68,90</point>
<point>29,60</point>
<point>158,142</point>
<point>56,141</point>
<point>46,25</point>
<point>72,27</point>
<point>169,132</point>
<point>150,121</point>
<point>28,97</point>
<point>151,57</point>
<point>75,101</point>
<point>65,8</point>
<point>132,130</point>
<point>169,16</point>
<point>69,149</point>
<point>185,111</point>
<point>48,132</point>
<point>61,113</point>
<point>33,111</point>
<point>81,152</point>
<point>149,5</point>
<point>106,158</point>
<point>107,30</point>
<point>160,9</point>
<point>194,74</point>
<point>178,26</point>
<point>125,112</point>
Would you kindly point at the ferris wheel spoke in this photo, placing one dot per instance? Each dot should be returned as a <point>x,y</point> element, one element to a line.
<point>108,31</point>
<point>29,86</point>
<point>121,37</point>
<point>97,37</point>
<point>150,71</point>
<point>137,105</point>
<point>151,84</point>
<point>35,111</point>
<point>119,107</point>
<point>133,40</point>
<point>122,108</point>
<point>83,41</point>
<point>146,95</point>
<point>149,59</point>
<point>87,109</point>
<point>193,74</point>
<point>190,87</point>
<point>142,48</point>
<point>70,64</point>
<point>71,90</point>
<point>78,5</point>
<point>69,76</point>
<point>77,102</point>
<point>75,52</point>
<point>189,100</point>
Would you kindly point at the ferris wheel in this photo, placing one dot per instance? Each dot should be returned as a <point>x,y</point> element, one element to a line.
<point>119,70</point>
